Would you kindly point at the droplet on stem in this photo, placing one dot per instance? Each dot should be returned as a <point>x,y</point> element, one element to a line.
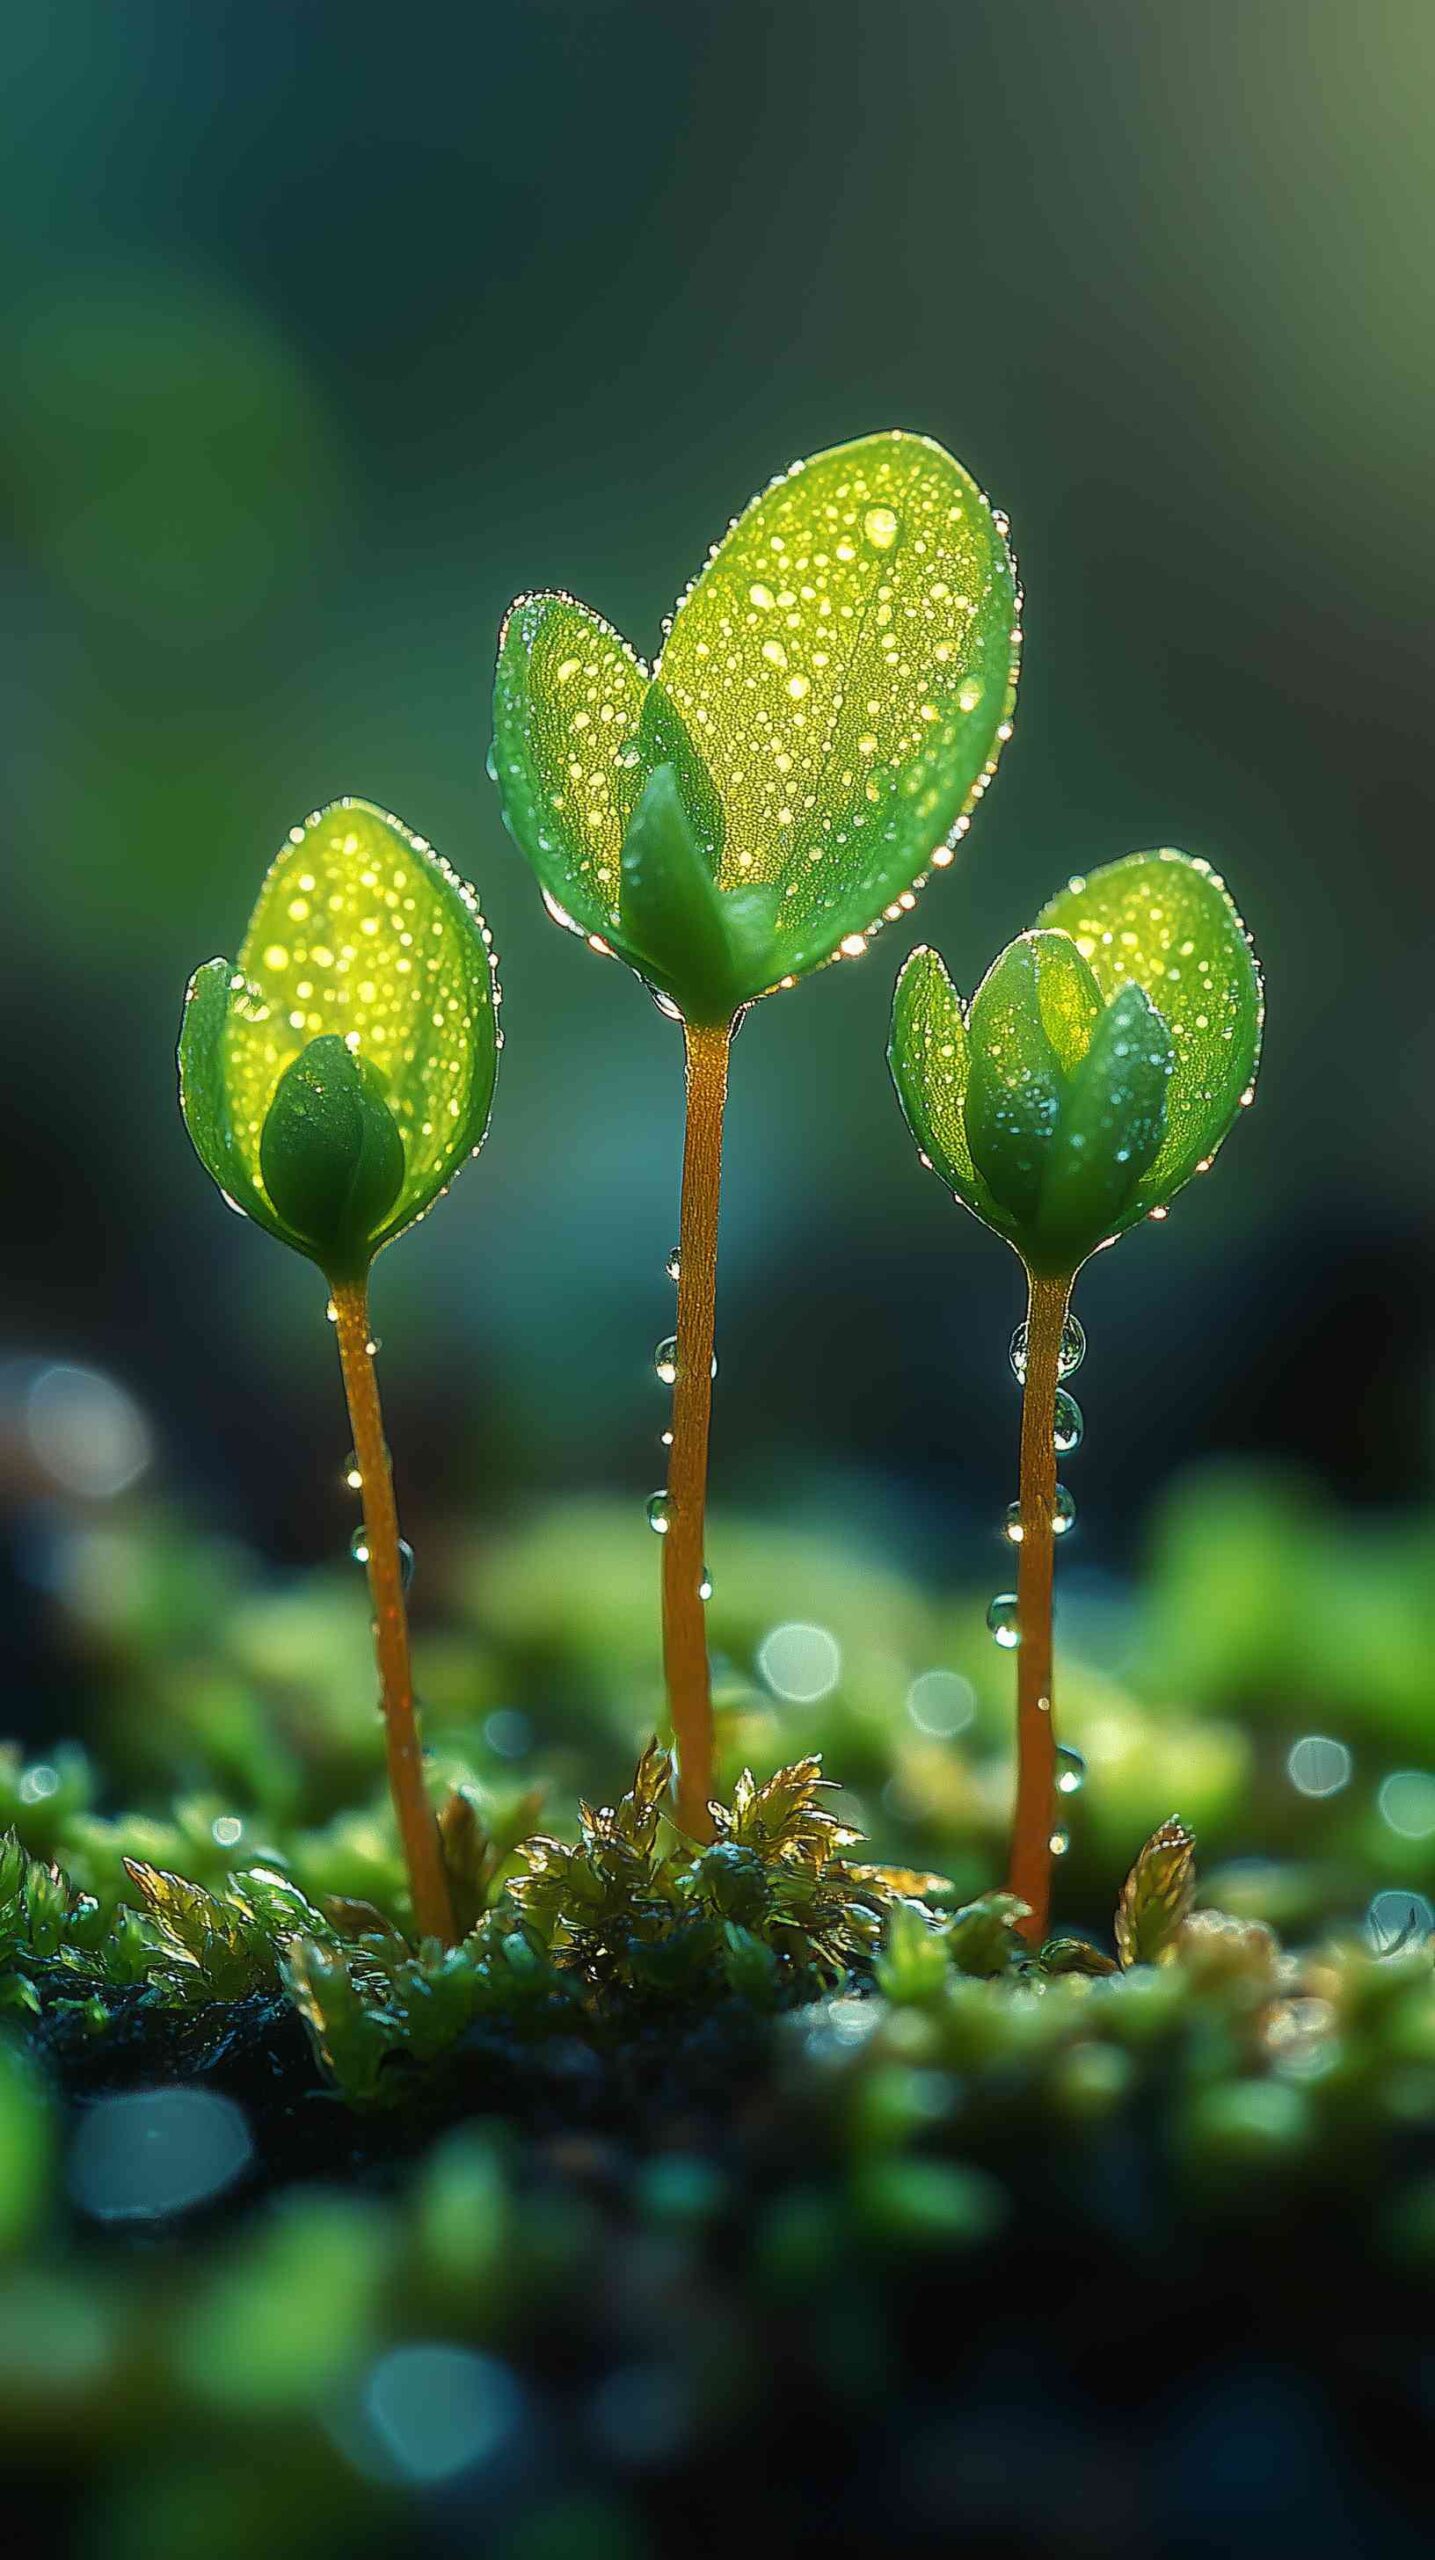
<point>1070,1770</point>
<point>1068,1426</point>
<point>1069,1357</point>
<point>1002,1621</point>
<point>660,1516</point>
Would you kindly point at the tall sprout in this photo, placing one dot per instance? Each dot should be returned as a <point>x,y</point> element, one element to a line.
<point>1099,1065</point>
<point>829,701</point>
<point>334,1079</point>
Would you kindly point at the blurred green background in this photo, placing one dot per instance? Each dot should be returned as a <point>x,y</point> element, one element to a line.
<point>326,330</point>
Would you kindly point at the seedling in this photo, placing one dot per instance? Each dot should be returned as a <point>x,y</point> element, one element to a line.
<point>1100,1064</point>
<point>829,701</point>
<point>333,1081</point>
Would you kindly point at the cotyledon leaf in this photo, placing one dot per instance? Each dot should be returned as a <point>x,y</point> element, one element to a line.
<point>568,697</point>
<point>846,667</point>
<point>930,1062</point>
<point>1167,921</point>
<point>362,930</point>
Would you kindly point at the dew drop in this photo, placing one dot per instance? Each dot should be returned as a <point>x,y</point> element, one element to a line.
<point>353,1473</point>
<point>1059,1843</point>
<point>1063,1513</point>
<point>1069,1358</point>
<point>672,1265</point>
<point>406,1563</point>
<point>1070,1770</point>
<point>666,1438</point>
<point>1068,1425</point>
<point>705,1585</point>
<point>659,1514</point>
<point>1011,1523</point>
<point>665,1359</point>
<point>880,527</point>
<point>359,1546</point>
<point>1002,1621</point>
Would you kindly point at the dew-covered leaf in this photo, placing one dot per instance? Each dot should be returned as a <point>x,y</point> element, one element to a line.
<point>846,666</point>
<point>1109,1126</point>
<point>1157,1897</point>
<point>1167,922</point>
<point>930,1061</point>
<point>361,932</point>
<point>830,699</point>
<point>568,698</point>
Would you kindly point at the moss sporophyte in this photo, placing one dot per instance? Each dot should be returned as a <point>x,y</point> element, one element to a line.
<point>334,1079</point>
<point>1099,1065</point>
<point>830,699</point>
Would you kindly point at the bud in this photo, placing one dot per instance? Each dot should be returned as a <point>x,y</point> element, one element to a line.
<point>330,1156</point>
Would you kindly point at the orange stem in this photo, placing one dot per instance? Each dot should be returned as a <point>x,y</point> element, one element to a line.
<point>1030,1874</point>
<point>418,1830</point>
<point>685,1641</point>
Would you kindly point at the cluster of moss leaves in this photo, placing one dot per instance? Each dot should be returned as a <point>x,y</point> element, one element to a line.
<point>630,1915</point>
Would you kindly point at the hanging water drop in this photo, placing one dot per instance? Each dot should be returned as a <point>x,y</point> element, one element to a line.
<point>666,1438</point>
<point>1070,1770</point>
<point>1068,1425</point>
<point>660,1516</point>
<point>1002,1621</point>
<point>1059,1843</point>
<point>672,1265</point>
<point>665,1359</point>
<point>359,1546</point>
<point>353,1473</point>
<point>1068,1359</point>
<point>1011,1523</point>
<point>1063,1513</point>
<point>406,1563</point>
<point>705,1585</point>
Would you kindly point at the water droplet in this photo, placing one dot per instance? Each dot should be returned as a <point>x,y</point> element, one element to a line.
<point>1070,1770</point>
<point>665,1359</point>
<point>359,1546</point>
<point>332,1312</point>
<point>1063,1513</point>
<point>1011,1523</point>
<point>406,1563</point>
<point>666,1438</point>
<point>374,1345</point>
<point>353,1473</point>
<point>1068,1425</point>
<point>672,1266</point>
<point>1002,1620</point>
<point>1069,1357</point>
<point>881,528</point>
<point>1059,1843</point>
<point>659,1513</point>
<point>705,1585</point>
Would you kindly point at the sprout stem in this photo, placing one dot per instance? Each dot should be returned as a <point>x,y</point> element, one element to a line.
<point>418,1830</point>
<point>1030,1876</point>
<point>685,1643</point>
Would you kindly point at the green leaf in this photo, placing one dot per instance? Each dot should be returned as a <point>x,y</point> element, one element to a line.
<point>832,696</point>
<point>1157,1897</point>
<point>568,698</point>
<point>1167,922</point>
<point>846,663</point>
<point>673,914</point>
<point>363,934</point>
<point>1016,1078</point>
<point>330,1154</point>
<point>931,1062</point>
<point>1111,1123</point>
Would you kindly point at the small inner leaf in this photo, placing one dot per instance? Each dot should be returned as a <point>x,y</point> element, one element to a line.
<point>1015,1081</point>
<point>331,1155</point>
<point>1110,1126</point>
<point>1166,921</point>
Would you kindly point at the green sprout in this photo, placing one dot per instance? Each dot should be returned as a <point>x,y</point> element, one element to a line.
<point>1099,1065</point>
<point>830,699</point>
<point>334,1080</point>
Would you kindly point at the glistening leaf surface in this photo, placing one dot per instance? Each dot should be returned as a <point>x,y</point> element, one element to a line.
<point>930,1062</point>
<point>845,666</point>
<point>1167,922</point>
<point>568,698</point>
